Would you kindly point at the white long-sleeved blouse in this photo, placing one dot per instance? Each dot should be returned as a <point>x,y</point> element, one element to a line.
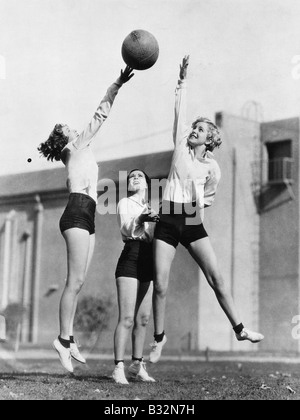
<point>81,165</point>
<point>190,179</point>
<point>128,212</point>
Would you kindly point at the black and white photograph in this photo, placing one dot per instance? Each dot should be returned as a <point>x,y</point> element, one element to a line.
<point>149,202</point>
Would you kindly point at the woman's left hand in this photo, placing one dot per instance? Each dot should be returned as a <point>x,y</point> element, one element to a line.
<point>151,216</point>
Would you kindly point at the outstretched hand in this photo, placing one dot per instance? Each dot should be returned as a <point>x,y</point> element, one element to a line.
<point>126,74</point>
<point>183,67</point>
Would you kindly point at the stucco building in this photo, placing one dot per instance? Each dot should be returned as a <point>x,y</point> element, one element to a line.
<point>253,225</point>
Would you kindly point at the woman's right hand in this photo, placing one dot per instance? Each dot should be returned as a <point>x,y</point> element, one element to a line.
<point>183,67</point>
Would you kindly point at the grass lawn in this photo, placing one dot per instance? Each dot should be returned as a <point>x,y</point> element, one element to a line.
<point>45,380</point>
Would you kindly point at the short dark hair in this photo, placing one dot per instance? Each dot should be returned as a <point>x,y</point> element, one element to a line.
<point>51,149</point>
<point>213,133</point>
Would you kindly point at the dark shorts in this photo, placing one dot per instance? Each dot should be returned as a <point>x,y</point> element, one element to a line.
<point>79,213</point>
<point>136,261</point>
<point>179,228</point>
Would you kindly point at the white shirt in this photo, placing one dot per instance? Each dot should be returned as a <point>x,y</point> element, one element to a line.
<point>128,211</point>
<point>81,165</point>
<point>190,179</point>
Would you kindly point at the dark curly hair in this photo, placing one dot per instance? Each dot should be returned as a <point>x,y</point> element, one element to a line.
<point>51,149</point>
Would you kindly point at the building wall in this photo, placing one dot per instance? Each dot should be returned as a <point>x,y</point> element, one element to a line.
<point>26,286</point>
<point>182,304</point>
<point>233,226</point>
<point>181,311</point>
<point>258,253</point>
<point>53,269</point>
<point>279,250</point>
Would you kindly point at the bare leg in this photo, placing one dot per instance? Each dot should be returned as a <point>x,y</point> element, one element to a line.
<point>142,316</point>
<point>78,244</point>
<point>90,256</point>
<point>163,257</point>
<point>127,295</point>
<point>204,255</point>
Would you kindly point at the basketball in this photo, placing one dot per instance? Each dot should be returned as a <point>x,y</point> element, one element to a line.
<point>140,50</point>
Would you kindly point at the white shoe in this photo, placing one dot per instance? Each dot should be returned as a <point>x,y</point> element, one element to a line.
<point>252,336</point>
<point>119,374</point>
<point>64,355</point>
<point>75,353</point>
<point>137,370</point>
<point>156,350</point>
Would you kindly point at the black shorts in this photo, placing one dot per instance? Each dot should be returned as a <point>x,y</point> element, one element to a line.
<point>136,261</point>
<point>179,228</point>
<point>79,213</point>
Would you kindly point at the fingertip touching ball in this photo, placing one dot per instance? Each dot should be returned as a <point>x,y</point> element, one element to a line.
<point>140,50</point>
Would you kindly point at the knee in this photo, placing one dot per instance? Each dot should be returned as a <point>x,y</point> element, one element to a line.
<point>218,283</point>
<point>160,286</point>
<point>143,320</point>
<point>127,322</point>
<point>75,283</point>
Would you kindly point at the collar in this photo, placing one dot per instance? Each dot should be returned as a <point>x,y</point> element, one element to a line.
<point>206,155</point>
<point>136,201</point>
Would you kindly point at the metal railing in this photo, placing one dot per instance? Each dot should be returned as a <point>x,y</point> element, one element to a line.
<point>280,170</point>
<point>272,172</point>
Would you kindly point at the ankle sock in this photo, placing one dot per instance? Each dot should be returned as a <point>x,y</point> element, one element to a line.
<point>238,329</point>
<point>118,361</point>
<point>64,343</point>
<point>72,340</point>
<point>159,337</point>
<point>137,359</point>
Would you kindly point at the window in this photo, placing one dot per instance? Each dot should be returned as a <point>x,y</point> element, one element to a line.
<point>280,161</point>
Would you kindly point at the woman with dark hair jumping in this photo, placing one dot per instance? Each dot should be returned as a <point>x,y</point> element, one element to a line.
<point>77,223</point>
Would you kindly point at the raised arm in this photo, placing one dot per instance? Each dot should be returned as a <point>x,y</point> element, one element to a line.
<point>103,109</point>
<point>183,67</point>
<point>179,127</point>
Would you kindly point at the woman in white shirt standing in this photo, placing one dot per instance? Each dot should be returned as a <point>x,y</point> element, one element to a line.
<point>192,184</point>
<point>77,223</point>
<point>134,275</point>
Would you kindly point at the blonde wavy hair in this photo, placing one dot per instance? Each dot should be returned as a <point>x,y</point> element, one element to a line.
<point>213,133</point>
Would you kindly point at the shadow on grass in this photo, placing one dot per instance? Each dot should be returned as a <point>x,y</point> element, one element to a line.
<point>11,376</point>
